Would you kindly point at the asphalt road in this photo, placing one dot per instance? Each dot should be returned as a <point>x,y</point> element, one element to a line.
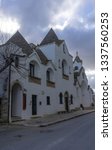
<point>74,134</point>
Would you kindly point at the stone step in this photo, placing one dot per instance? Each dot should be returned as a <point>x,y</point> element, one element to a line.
<point>16,118</point>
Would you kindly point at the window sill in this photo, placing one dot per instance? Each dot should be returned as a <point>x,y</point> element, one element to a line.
<point>66,77</point>
<point>34,79</point>
<point>50,84</point>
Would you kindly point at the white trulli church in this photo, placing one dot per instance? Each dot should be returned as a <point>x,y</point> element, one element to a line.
<point>44,79</point>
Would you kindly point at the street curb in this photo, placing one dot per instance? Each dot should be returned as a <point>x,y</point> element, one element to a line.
<point>62,120</point>
<point>51,123</point>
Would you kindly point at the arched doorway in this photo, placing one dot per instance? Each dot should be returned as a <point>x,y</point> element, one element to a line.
<point>66,97</point>
<point>16,100</point>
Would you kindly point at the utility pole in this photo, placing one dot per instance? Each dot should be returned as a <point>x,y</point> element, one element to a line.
<point>11,60</point>
<point>9,95</point>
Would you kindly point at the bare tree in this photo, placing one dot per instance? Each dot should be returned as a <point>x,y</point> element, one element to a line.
<point>12,60</point>
<point>11,54</point>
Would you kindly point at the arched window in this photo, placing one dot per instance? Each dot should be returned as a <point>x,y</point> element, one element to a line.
<point>34,69</point>
<point>50,78</point>
<point>61,98</point>
<point>49,75</point>
<point>71,99</point>
<point>64,67</point>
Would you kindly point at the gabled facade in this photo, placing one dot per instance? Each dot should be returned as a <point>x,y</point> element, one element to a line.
<point>83,90</point>
<point>45,81</point>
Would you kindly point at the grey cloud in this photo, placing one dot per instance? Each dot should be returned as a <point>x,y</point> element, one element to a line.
<point>33,15</point>
<point>87,11</point>
<point>36,15</point>
<point>82,41</point>
<point>29,12</point>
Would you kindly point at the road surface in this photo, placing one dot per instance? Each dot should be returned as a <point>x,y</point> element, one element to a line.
<point>74,134</point>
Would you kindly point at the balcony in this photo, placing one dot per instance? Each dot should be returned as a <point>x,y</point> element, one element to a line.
<point>50,84</point>
<point>34,79</point>
<point>66,77</point>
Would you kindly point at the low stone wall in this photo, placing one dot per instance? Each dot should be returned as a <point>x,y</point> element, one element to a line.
<point>3,109</point>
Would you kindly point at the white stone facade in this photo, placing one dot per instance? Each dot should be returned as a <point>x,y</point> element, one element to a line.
<point>52,81</point>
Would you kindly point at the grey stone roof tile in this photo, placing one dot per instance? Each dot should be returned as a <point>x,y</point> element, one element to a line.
<point>42,57</point>
<point>19,40</point>
<point>50,38</point>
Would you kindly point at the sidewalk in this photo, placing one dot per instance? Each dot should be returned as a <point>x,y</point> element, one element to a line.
<point>52,119</point>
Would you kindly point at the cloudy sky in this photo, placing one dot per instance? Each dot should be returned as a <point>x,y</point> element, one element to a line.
<point>72,20</point>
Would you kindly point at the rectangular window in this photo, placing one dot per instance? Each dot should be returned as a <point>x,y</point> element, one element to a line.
<point>32,69</point>
<point>34,104</point>
<point>24,101</point>
<point>48,100</point>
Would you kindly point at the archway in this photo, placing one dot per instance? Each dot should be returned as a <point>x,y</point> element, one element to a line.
<point>66,97</point>
<point>16,100</point>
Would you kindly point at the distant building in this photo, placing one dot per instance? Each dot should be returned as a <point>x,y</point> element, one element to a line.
<point>46,81</point>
